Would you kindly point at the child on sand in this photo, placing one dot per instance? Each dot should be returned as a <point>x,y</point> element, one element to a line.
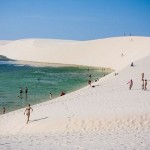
<point>130,84</point>
<point>27,111</point>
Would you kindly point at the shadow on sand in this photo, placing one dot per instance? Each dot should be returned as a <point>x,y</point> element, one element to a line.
<point>140,90</point>
<point>38,119</point>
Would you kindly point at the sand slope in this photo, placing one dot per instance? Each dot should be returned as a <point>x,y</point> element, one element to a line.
<point>107,116</point>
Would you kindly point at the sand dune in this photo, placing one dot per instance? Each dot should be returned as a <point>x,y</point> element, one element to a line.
<point>107,116</point>
<point>101,53</point>
<point>4,42</point>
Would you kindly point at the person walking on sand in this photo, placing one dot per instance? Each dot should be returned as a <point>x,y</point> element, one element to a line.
<point>27,112</point>
<point>130,84</point>
<point>145,85</point>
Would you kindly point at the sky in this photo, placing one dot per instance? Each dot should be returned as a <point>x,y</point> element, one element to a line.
<point>73,19</point>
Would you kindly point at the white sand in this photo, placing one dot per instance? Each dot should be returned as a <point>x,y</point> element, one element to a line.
<point>4,42</point>
<point>101,53</point>
<point>106,117</point>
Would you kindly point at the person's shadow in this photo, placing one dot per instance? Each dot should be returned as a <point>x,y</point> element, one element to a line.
<point>38,119</point>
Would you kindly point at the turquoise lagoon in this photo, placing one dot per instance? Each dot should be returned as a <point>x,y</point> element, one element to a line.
<point>41,80</point>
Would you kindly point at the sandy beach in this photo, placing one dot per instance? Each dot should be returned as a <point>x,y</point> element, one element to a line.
<point>106,116</point>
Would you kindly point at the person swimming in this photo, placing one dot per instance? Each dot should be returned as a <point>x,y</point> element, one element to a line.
<point>27,112</point>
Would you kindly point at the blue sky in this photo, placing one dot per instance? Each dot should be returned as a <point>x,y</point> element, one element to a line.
<point>73,19</point>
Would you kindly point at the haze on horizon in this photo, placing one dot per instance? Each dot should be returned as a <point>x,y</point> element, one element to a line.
<point>73,19</point>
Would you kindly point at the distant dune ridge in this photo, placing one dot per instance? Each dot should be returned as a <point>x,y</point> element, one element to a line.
<point>102,53</point>
<point>107,116</point>
<point>4,42</point>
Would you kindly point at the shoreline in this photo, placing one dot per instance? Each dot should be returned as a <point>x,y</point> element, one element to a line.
<point>53,99</point>
<point>49,64</point>
<point>35,64</point>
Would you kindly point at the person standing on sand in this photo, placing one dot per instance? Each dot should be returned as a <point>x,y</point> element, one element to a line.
<point>130,84</point>
<point>142,76</point>
<point>145,85</point>
<point>27,111</point>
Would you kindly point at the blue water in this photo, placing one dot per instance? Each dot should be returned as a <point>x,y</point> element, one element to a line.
<point>40,82</point>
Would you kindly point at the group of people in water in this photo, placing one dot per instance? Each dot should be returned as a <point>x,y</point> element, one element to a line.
<point>21,90</point>
<point>90,79</point>
<point>29,108</point>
